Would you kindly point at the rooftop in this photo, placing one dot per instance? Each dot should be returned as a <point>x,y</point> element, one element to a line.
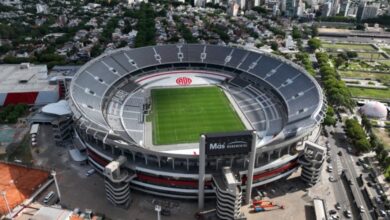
<point>24,77</point>
<point>49,213</point>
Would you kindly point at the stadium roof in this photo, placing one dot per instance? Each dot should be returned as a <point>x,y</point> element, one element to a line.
<point>95,101</point>
<point>25,77</point>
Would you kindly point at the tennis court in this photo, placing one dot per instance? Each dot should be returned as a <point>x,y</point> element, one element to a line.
<point>6,135</point>
<point>19,183</point>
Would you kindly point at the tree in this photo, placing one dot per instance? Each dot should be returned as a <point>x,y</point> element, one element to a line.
<point>260,10</point>
<point>5,48</point>
<point>382,19</point>
<point>274,46</point>
<point>186,34</point>
<point>329,119</point>
<point>356,133</point>
<point>338,61</point>
<point>374,141</point>
<point>96,50</point>
<point>221,31</point>
<point>296,33</point>
<point>122,44</point>
<point>314,43</point>
<point>314,30</point>
<point>336,90</point>
<point>12,117</point>
<point>145,26</point>
<point>366,123</point>
<point>363,145</point>
<point>351,54</point>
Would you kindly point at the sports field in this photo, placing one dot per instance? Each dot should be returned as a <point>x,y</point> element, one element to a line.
<point>383,77</point>
<point>180,115</point>
<point>348,47</point>
<point>19,183</point>
<point>370,93</point>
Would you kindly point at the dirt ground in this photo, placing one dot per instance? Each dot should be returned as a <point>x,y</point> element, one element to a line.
<point>18,183</point>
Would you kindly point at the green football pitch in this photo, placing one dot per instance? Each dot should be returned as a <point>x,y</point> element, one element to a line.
<point>180,115</point>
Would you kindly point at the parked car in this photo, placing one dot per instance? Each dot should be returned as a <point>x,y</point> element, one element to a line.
<point>48,197</point>
<point>329,168</point>
<point>338,206</point>
<point>348,214</point>
<point>378,200</point>
<point>361,209</point>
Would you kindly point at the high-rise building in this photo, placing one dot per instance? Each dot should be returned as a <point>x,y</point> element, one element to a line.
<point>275,10</point>
<point>312,3</point>
<point>199,3</point>
<point>242,4</point>
<point>335,7</point>
<point>326,9</point>
<point>233,8</point>
<point>289,43</point>
<point>290,8</point>
<point>283,5</point>
<point>10,2</point>
<point>301,8</point>
<point>41,8</point>
<point>344,7</point>
<point>366,10</point>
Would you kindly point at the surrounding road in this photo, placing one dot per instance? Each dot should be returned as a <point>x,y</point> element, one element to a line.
<point>344,191</point>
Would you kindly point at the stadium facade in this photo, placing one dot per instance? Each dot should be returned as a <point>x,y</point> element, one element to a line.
<point>110,95</point>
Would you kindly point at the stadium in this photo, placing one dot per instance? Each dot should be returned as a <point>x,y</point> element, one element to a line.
<point>150,105</point>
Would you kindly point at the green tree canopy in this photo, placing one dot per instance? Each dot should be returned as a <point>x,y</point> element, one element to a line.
<point>314,43</point>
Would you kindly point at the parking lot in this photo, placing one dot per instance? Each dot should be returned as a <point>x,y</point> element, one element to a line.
<point>292,194</point>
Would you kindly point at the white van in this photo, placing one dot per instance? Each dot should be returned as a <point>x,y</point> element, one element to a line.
<point>48,197</point>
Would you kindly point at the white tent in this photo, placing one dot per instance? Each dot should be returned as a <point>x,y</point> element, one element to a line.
<point>374,109</point>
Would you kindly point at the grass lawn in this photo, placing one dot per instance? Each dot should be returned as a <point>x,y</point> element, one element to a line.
<point>383,136</point>
<point>386,62</point>
<point>180,115</point>
<point>365,56</point>
<point>366,47</point>
<point>370,93</point>
<point>372,56</point>
<point>383,77</point>
<point>387,50</point>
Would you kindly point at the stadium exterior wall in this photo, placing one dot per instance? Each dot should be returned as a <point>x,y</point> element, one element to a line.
<point>180,180</point>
